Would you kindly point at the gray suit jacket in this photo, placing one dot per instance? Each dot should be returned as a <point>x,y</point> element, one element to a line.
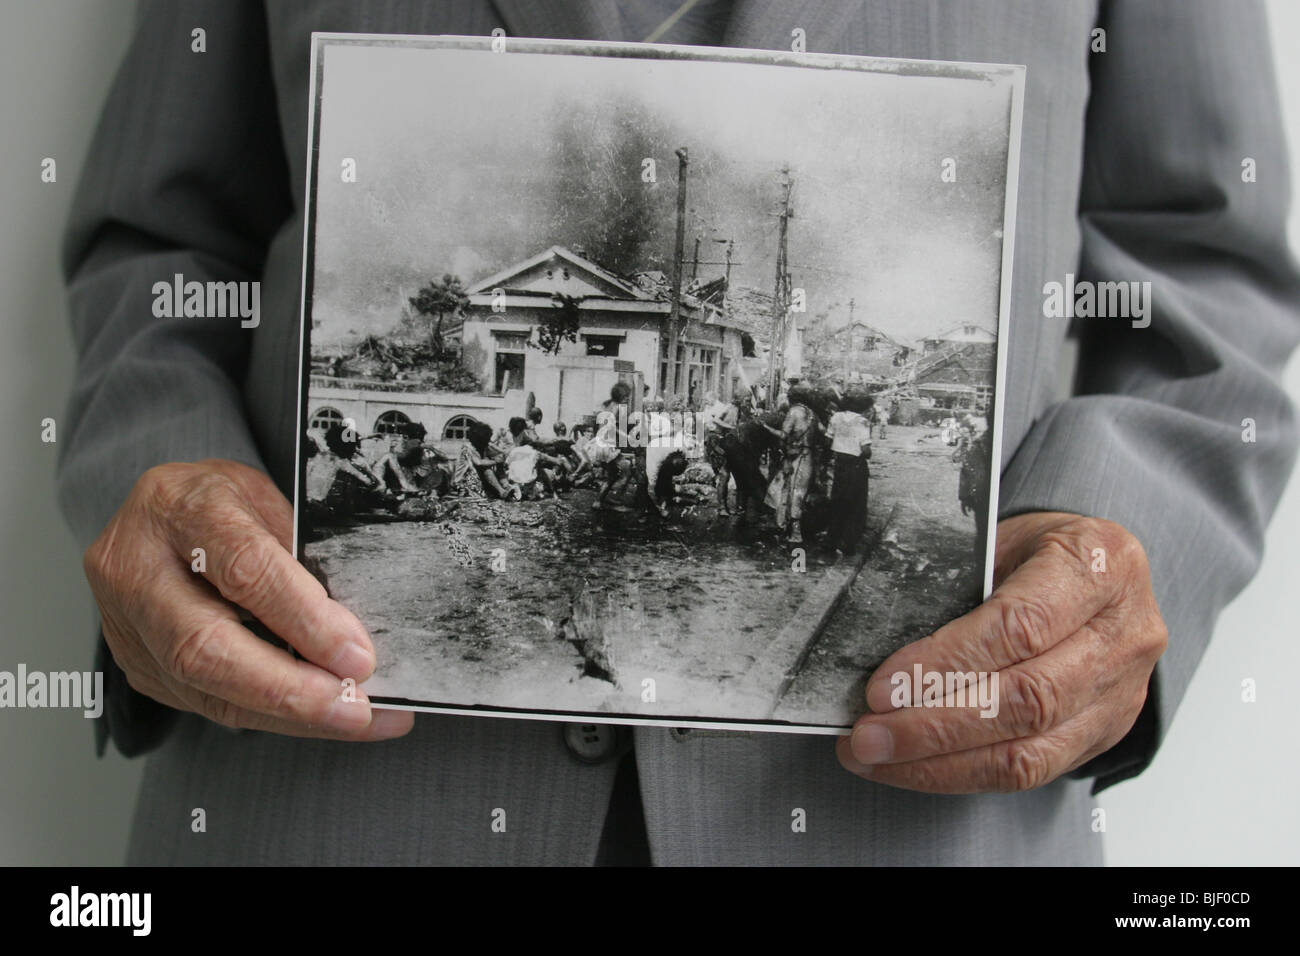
<point>1130,170</point>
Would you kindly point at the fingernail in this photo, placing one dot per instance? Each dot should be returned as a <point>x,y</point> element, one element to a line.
<point>353,661</point>
<point>389,723</point>
<point>879,696</point>
<point>348,715</point>
<point>872,743</point>
<point>844,749</point>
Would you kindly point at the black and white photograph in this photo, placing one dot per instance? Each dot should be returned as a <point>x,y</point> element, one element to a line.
<point>648,383</point>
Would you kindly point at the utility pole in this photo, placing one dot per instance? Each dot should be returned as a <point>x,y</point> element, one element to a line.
<point>673,379</point>
<point>695,262</point>
<point>776,346</point>
<point>848,345</point>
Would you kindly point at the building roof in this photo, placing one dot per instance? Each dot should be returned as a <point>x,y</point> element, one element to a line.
<point>586,280</point>
<point>530,276</point>
<point>870,330</point>
<point>744,307</point>
<point>966,332</point>
<point>963,362</point>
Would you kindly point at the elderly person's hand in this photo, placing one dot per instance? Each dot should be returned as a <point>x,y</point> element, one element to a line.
<point>1072,646</point>
<point>176,632</point>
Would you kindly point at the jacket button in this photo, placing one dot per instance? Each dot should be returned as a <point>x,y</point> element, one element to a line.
<point>591,743</point>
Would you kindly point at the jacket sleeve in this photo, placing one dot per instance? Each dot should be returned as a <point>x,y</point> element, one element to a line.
<point>1158,436</point>
<point>185,177</point>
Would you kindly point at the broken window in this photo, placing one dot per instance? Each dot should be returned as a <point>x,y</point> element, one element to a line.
<point>603,344</point>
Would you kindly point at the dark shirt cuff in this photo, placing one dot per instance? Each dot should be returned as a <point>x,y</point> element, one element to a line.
<point>136,724</point>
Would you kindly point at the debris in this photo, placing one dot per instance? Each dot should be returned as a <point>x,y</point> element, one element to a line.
<point>584,628</point>
<point>460,549</point>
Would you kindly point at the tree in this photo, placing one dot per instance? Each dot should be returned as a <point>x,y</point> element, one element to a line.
<point>436,301</point>
<point>560,325</point>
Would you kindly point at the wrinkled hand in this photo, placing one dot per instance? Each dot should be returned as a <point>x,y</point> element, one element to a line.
<point>1072,648</point>
<point>176,632</point>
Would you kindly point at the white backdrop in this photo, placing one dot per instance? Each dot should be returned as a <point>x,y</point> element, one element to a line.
<point>1222,790</point>
<point>57,803</point>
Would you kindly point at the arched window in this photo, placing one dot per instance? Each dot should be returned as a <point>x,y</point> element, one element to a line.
<point>458,427</point>
<point>391,422</point>
<point>325,417</point>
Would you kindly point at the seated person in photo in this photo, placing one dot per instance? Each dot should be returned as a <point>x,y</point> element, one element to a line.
<point>475,471</point>
<point>316,438</point>
<point>338,483</point>
<point>555,450</point>
<point>524,472</point>
<point>585,470</point>
<point>563,447</point>
<point>553,469</point>
<point>415,467</point>
<point>539,433</point>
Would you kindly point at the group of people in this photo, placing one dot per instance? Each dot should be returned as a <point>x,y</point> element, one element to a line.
<point>636,457</point>
<point>513,464</point>
<point>805,460</point>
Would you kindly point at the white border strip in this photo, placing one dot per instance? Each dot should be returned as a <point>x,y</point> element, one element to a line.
<point>307,236</point>
<point>1004,318</point>
<point>635,721</point>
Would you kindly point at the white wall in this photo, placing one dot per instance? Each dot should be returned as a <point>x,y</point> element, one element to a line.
<point>57,803</point>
